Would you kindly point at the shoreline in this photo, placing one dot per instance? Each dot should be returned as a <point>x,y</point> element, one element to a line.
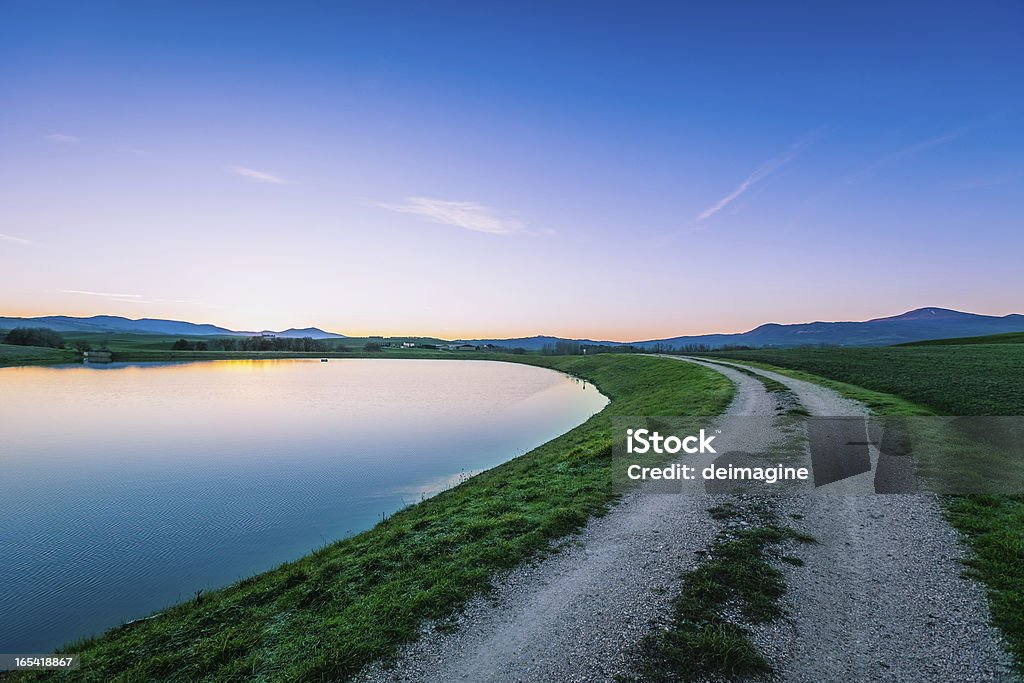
<point>372,591</point>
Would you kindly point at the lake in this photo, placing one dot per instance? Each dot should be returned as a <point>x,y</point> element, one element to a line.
<point>128,487</point>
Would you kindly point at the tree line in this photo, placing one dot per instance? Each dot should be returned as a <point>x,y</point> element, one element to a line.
<point>257,343</point>
<point>34,336</point>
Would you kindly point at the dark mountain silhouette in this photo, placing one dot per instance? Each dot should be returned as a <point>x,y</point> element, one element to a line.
<point>112,324</point>
<point>917,325</point>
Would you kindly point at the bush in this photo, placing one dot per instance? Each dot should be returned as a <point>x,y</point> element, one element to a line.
<point>35,336</point>
<point>373,346</point>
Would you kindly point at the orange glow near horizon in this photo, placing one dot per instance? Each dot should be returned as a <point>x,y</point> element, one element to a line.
<point>723,324</point>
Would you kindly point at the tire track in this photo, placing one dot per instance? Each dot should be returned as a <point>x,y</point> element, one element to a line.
<point>881,597</point>
<point>579,614</point>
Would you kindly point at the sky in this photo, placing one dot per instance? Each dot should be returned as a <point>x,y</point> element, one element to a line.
<point>604,170</point>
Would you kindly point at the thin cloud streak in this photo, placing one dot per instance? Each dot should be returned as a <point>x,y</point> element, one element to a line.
<point>461,214</point>
<point>986,181</point>
<point>123,298</point>
<point>11,239</point>
<point>864,172</point>
<point>62,137</point>
<point>763,171</point>
<point>257,176</point>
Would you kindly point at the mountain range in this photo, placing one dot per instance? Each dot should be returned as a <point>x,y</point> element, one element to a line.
<point>112,324</point>
<point>918,325</point>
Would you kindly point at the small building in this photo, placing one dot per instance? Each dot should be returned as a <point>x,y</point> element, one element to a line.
<point>408,345</point>
<point>96,356</point>
<point>461,347</point>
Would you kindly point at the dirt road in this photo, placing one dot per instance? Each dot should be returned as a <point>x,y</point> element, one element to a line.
<point>880,596</point>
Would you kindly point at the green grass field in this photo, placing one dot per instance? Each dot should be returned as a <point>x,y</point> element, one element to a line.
<point>951,380</point>
<point>326,615</point>
<point>155,348</point>
<point>130,342</point>
<point>1008,338</point>
<point>978,379</point>
<point>30,355</point>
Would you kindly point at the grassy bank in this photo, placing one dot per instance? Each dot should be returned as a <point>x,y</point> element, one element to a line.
<point>951,380</point>
<point>325,616</point>
<point>34,355</point>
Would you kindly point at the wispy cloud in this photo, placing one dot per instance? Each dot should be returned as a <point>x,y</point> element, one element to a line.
<point>11,239</point>
<point>902,153</point>
<point>868,170</point>
<point>762,172</point>
<point>461,214</point>
<point>986,181</point>
<point>62,137</point>
<point>124,298</point>
<point>257,176</point>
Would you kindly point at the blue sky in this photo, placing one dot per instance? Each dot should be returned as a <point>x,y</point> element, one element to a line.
<point>608,170</point>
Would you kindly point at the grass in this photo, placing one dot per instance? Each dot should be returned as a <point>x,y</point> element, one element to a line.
<point>737,577</point>
<point>994,526</point>
<point>11,354</point>
<point>157,348</point>
<point>325,616</point>
<point>952,380</point>
<point>1005,338</point>
<point>949,380</point>
<point>133,341</point>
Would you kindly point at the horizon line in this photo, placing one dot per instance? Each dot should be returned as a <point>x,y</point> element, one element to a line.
<point>497,336</point>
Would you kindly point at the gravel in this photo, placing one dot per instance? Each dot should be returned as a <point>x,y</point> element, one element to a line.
<point>578,614</point>
<point>880,597</point>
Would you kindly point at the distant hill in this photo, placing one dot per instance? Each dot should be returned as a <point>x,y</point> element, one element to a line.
<point>314,332</point>
<point>917,325</point>
<point>913,326</point>
<point>109,324</point>
<point>1008,338</point>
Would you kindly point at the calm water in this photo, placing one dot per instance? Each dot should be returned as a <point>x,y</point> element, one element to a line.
<point>126,488</point>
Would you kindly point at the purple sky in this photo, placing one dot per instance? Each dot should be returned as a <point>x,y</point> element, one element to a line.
<point>631,171</point>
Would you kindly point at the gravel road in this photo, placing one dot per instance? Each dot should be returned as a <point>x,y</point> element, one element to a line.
<point>576,615</point>
<point>879,598</point>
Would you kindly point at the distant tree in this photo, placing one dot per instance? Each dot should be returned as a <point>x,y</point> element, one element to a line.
<point>567,348</point>
<point>82,345</point>
<point>181,345</point>
<point>372,346</point>
<point>223,344</point>
<point>35,336</point>
<point>202,346</point>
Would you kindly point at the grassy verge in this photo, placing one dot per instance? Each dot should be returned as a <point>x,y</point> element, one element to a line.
<point>977,381</point>
<point>994,527</point>
<point>34,355</point>
<point>949,380</point>
<point>325,616</point>
<point>1005,338</point>
<point>736,581</point>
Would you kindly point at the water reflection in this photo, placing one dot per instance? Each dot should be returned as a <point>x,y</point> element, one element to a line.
<point>124,488</point>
